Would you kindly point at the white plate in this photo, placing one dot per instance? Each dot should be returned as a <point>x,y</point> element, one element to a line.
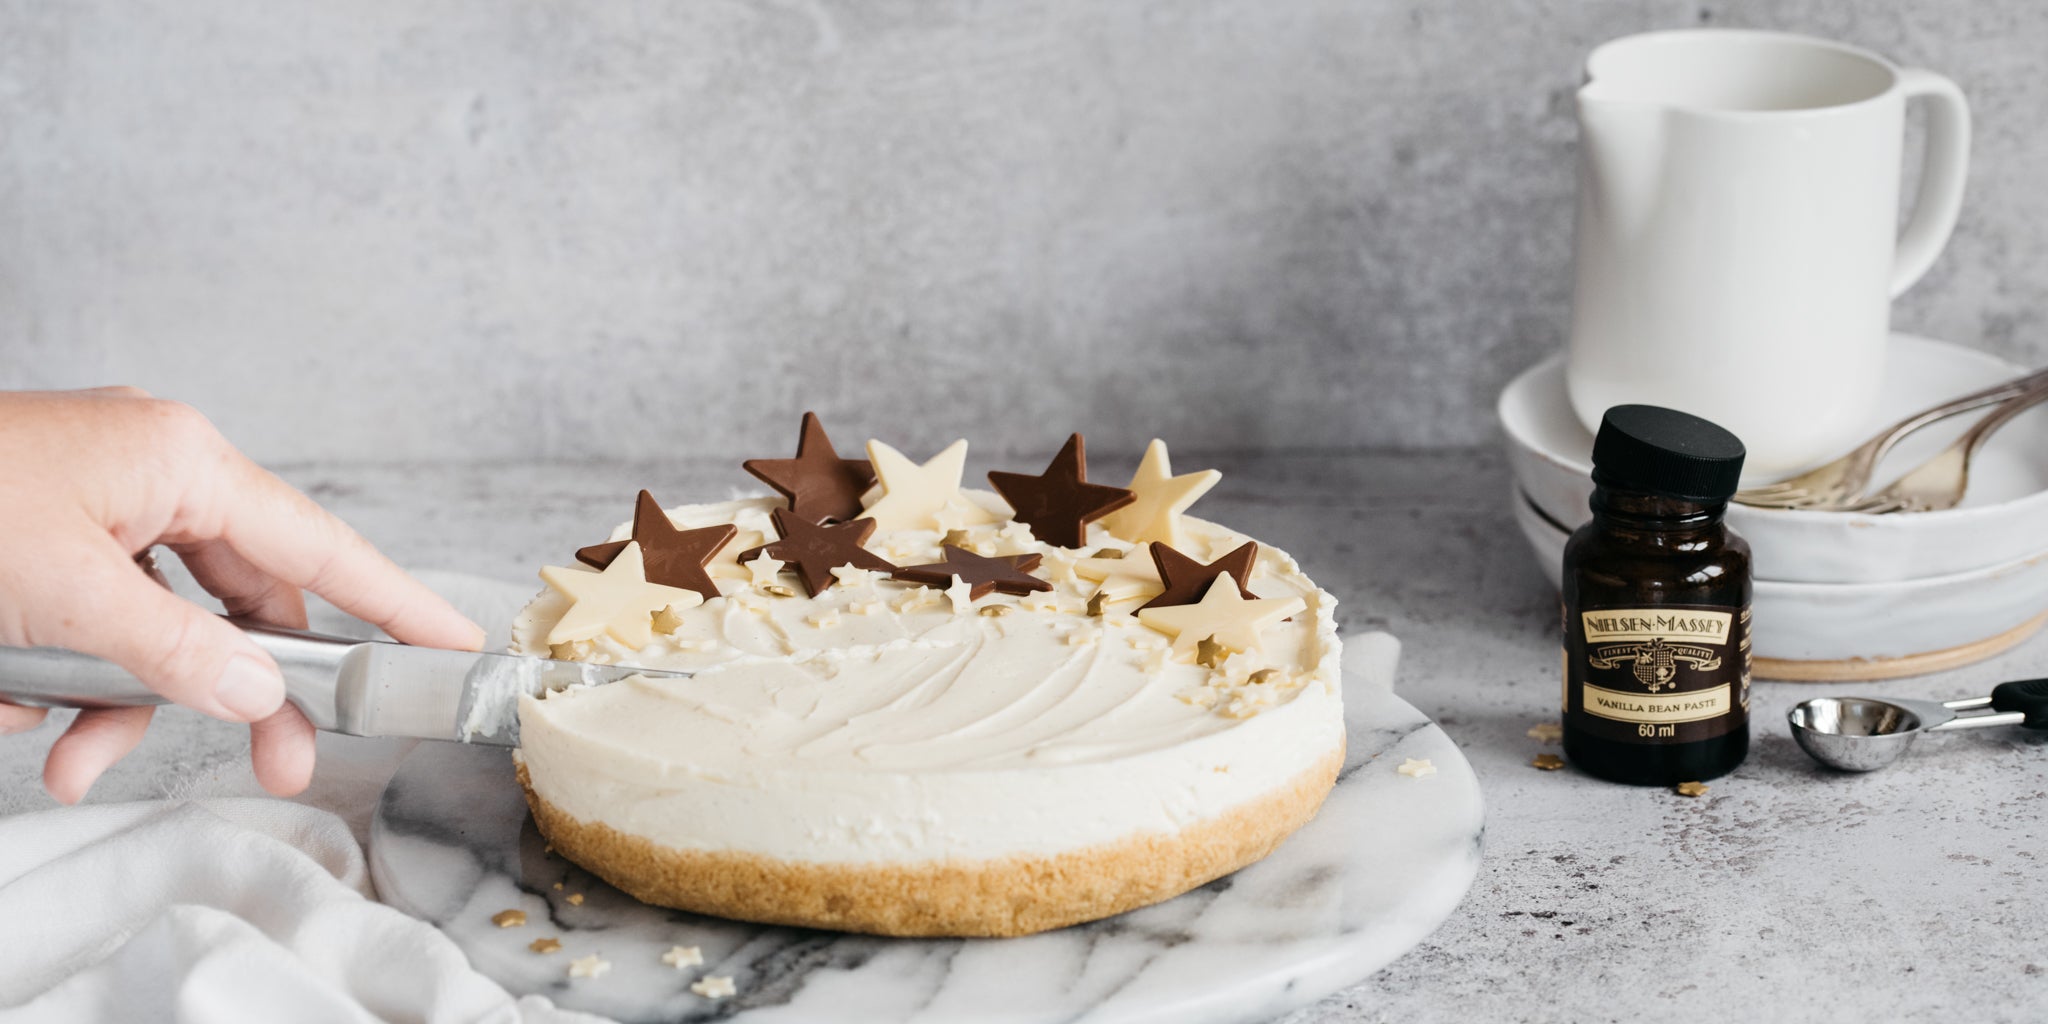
<point>1862,622</point>
<point>2003,519</point>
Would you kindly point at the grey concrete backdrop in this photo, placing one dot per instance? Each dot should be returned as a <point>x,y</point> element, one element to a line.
<point>434,229</point>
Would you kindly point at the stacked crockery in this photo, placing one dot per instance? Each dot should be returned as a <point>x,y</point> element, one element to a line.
<point>1849,595</point>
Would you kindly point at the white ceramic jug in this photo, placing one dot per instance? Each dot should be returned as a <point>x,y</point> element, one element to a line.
<point>1738,246</point>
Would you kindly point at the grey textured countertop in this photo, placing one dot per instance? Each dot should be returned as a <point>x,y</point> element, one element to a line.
<point>1785,893</point>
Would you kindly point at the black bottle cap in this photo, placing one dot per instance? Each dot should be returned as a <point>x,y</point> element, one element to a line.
<point>1666,452</point>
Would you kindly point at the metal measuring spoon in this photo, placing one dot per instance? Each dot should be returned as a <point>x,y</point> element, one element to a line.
<point>1860,734</point>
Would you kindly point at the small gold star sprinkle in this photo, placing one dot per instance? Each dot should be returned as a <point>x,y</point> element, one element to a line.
<point>1263,676</point>
<point>777,590</point>
<point>592,966</point>
<point>994,611</point>
<point>1548,762</point>
<point>680,957</point>
<point>575,899</point>
<point>509,918</point>
<point>1209,653</point>
<point>558,887</point>
<point>545,946</point>
<point>1693,789</point>
<point>1416,768</point>
<point>1546,732</point>
<point>714,986</point>
<point>1097,603</point>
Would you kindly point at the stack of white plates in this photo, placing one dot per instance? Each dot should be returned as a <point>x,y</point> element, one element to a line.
<point>1839,595</point>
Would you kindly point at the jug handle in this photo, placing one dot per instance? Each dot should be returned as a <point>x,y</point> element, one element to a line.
<point>1947,163</point>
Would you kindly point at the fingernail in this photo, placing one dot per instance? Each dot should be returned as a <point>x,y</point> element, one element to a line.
<point>249,688</point>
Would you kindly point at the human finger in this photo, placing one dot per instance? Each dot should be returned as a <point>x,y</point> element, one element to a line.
<point>281,749</point>
<point>109,609</point>
<point>15,719</point>
<point>286,534</point>
<point>98,737</point>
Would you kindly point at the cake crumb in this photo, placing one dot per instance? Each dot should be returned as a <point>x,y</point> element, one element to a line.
<point>1546,732</point>
<point>1693,789</point>
<point>509,918</point>
<point>575,899</point>
<point>592,966</point>
<point>545,946</point>
<point>714,986</point>
<point>1547,762</point>
<point>680,957</point>
<point>1416,768</point>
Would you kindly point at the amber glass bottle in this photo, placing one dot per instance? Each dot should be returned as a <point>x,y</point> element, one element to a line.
<point>1656,606</point>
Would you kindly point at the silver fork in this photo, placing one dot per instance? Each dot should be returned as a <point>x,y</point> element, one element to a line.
<point>1840,481</point>
<point>1941,481</point>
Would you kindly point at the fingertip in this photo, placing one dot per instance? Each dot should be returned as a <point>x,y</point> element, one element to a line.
<point>15,719</point>
<point>282,750</point>
<point>249,689</point>
<point>96,739</point>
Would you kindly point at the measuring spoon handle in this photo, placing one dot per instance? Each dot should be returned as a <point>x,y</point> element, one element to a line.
<point>2028,697</point>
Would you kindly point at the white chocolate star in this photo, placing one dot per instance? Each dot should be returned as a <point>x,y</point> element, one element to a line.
<point>1223,616</point>
<point>765,569</point>
<point>1131,577</point>
<point>726,565</point>
<point>714,986</point>
<point>618,601</point>
<point>923,497</point>
<point>680,957</point>
<point>1162,497</point>
<point>592,966</point>
<point>961,595</point>
<point>1416,768</point>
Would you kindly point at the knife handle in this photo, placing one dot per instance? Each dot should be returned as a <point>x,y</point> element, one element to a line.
<point>51,677</point>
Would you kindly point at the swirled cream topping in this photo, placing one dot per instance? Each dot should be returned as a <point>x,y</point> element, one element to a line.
<point>886,720</point>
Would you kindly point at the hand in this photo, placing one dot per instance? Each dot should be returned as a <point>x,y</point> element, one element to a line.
<point>90,478</point>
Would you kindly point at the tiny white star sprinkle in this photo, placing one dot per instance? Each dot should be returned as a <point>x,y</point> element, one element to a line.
<point>1546,732</point>
<point>680,957</point>
<point>825,619</point>
<point>714,986</point>
<point>764,569</point>
<point>853,577</point>
<point>1416,768</point>
<point>592,966</point>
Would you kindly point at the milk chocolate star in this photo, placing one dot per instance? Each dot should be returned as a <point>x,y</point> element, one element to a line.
<point>1059,503</point>
<point>818,483</point>
<point>1010,574</point>
<point>674,558</point>
<point>813,550</point>
<point>1186,580</point>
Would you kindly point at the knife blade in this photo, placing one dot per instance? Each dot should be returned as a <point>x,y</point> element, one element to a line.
<point>350,686</point>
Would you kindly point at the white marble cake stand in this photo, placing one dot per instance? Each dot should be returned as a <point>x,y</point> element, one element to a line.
<point>1378,869</point>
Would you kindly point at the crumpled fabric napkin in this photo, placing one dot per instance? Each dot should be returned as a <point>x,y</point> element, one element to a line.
<point>220,912</point>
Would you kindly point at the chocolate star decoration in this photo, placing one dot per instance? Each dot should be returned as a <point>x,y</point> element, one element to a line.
<point>1010,574</point>
<point>1059,503</point>
<point>819,484</point>
<point>1187,580</point>
<point>813,550</point>
<point>674,558</point>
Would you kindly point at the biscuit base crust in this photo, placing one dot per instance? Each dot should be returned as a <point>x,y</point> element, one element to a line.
<point>1008,896</point>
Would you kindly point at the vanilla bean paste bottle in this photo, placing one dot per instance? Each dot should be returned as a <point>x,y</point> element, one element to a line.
<point>1656,605</point>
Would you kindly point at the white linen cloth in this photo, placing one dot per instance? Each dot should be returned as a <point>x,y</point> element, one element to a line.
<point>219,912</point>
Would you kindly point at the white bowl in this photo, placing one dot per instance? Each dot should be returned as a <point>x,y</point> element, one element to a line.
<point>2003,519</point>
<point>1864,630</point>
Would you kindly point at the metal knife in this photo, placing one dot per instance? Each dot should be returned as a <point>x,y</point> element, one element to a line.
<point>356,687</point>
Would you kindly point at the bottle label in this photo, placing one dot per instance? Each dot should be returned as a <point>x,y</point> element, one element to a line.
<point>1666,674</point>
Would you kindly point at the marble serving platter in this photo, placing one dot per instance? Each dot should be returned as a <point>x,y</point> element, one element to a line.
<point>1383,864</point>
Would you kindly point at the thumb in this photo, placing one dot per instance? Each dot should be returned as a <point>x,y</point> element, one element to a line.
<point>172,645</point>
